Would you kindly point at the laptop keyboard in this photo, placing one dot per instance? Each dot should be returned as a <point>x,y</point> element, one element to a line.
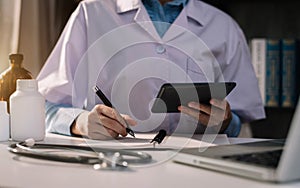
<point>267,159</point>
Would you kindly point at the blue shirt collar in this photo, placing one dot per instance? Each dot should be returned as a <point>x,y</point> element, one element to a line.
<point>174,2</point>
<point>195,8</point>
<point>163,16</point>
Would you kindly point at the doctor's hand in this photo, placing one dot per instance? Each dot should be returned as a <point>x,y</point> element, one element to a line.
<point>101,123</point>
<point>217,114</point>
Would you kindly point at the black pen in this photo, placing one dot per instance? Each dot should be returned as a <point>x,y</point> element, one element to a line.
<point>105,101</point>
<point>159,137</point>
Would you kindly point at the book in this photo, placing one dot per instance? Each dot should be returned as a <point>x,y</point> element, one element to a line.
<point>273,73</point>
<point>288,72</point>
<point>258,55</point>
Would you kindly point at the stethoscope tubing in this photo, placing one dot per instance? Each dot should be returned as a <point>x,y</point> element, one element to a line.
<point>136,157</point>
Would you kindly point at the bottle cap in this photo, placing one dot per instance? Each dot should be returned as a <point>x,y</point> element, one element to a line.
<point>16,57</point>
<point>3,107</point>
<point>27,84</point>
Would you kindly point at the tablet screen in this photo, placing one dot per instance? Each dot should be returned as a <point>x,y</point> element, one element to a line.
<point>172,95</point>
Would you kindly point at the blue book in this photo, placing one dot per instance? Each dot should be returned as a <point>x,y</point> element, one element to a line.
<point>273,73</point>
<point>288,72</point>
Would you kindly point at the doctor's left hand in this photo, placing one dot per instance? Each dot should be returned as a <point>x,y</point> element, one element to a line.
<point>216,114</point>
<point>101,123</point>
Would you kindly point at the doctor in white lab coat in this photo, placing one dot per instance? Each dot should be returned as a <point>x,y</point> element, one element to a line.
<point>129,48</point>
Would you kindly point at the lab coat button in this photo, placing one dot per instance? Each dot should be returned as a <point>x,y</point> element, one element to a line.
<point>160,49</point>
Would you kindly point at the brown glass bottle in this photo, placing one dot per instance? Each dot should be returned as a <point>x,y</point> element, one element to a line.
<point>9,77</point>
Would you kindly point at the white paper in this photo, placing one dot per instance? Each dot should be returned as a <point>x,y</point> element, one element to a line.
<point>142,141</point>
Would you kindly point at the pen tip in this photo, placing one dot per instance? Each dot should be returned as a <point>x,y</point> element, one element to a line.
<point>129,131</point>
<point>132,134</point>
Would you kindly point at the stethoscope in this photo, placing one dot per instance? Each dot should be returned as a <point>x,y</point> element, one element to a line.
<point>100,158</point>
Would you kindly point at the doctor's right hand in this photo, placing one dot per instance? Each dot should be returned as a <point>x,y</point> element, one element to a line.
<point>101,123</point>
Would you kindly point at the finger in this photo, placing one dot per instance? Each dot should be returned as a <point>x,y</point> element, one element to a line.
<point>224,107</point>
<point>99,132</point>
<point>200,107</point>
<point>106,111</point>
<point>102,132</point>
<point>113,125</point>
<point>112,114</point>
<point>107,117</point>
<point>218,103</point>
<point>102,136</point>
<point>109,112</point>
<point>112,133</point>
<point>201,117</point>
<point>129,120</point>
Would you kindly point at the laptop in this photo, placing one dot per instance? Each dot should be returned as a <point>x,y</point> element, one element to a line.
<point>274,160</point>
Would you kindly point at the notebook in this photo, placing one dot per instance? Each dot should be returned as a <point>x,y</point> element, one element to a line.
<point>274,160</point>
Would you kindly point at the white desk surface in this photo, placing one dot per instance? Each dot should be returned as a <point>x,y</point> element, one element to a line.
<point>40,173</point>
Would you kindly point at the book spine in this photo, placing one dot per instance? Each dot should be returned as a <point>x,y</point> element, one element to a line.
<point>258,53</point>
<point>288,72</point>
<point>273,73</point>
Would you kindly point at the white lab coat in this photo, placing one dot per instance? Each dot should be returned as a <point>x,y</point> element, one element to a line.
<point>113,44</point>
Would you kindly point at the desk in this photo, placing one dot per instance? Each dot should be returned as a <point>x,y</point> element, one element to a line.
<point>37,173</point>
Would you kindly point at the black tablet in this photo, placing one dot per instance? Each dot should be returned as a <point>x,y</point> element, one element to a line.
<point>172,95</point>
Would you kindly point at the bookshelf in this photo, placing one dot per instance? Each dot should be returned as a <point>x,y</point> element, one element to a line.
<point>266,19</point>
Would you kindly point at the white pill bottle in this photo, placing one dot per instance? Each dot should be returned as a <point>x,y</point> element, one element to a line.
<point>4,122</point>
<point>27,111</point>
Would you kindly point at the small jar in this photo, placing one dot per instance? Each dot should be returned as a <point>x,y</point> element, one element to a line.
<point>9,77</point>
<point>27,111</point>
<point>4,122</point>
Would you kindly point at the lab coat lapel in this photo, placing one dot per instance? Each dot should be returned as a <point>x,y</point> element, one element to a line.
<point>179,27</point>
<point>142,19</point>
<point>127,5</point>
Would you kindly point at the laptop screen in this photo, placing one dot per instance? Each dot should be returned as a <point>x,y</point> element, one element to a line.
<point>276,125</point>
